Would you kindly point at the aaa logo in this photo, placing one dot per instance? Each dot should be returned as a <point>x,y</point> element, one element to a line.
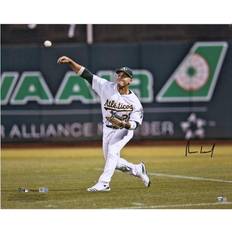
<point>195,78</point>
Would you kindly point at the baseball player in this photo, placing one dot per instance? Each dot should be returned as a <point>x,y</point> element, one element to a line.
<point>122,113</point>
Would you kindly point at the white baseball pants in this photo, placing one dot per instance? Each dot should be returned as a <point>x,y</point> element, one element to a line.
<point>113,141</point>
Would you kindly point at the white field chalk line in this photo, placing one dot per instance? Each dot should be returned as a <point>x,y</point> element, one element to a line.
<point>182,177</point>
<point>190,177</point>
<point>179,205</point>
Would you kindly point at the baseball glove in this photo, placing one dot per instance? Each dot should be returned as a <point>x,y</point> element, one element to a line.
<point>116,121</point>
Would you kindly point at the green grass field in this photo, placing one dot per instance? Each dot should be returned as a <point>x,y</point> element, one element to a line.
<point>67,172</point>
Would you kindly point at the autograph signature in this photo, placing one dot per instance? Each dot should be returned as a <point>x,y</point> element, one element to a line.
<point>189,151</point>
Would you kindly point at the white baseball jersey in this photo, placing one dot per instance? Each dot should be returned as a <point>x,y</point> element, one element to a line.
<point>127,106</point>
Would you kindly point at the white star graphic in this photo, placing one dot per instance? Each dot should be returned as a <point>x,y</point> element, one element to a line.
<point>198,123</point>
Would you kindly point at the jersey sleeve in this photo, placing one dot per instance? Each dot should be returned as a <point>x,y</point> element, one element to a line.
<point>137,115</point>
<point>98,84</point>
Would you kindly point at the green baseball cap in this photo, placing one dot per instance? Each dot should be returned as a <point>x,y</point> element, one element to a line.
<point>126,70</point>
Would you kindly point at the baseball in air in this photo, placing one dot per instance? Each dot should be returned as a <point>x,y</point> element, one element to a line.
<point>47,43</point>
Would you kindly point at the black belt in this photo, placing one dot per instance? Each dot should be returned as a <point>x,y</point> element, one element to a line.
<point>112,127</point>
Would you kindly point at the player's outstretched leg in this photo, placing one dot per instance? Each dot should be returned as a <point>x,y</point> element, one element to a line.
<point>137,170</point>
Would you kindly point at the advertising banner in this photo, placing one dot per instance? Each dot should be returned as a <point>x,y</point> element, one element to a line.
<point>184,87</point>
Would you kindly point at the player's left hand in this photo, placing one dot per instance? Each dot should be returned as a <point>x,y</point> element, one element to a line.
<point>116,122</point>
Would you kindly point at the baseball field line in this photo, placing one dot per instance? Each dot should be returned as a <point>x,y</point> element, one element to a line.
<point>183,177</point>
<point>189,177</point>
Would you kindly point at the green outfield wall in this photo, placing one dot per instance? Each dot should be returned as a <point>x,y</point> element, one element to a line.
<point>185,89</point>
